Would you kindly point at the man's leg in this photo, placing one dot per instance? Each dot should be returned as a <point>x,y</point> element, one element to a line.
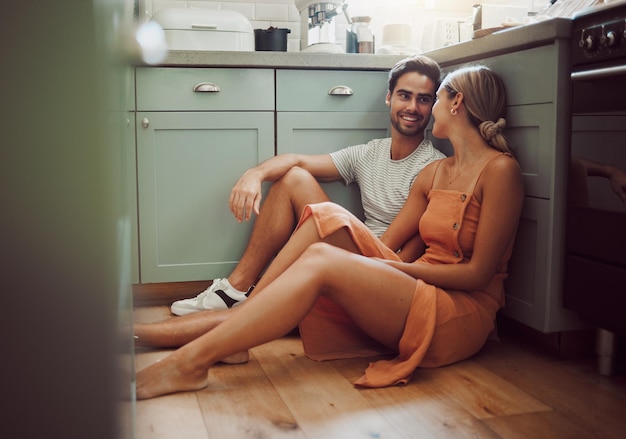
<point>274,225</point>
<point>277,218</point>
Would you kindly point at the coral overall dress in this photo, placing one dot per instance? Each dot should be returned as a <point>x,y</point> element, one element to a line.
<point>443,326</point>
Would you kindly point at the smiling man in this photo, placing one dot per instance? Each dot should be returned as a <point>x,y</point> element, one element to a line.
<point>384,169</point>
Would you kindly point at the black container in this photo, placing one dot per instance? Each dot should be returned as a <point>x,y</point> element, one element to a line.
<point>271,39</point>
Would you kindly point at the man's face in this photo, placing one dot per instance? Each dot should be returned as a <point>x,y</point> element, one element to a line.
<point>411,104</point>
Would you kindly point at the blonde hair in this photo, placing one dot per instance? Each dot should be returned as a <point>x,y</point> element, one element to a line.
<point>484,96</point>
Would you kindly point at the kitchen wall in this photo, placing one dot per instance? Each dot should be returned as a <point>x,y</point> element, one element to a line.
<point>283,14</point>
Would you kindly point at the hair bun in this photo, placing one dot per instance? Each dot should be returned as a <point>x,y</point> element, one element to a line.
<point>489,129</point>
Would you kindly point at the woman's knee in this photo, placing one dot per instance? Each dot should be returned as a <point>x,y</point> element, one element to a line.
<point>317,251</point>
<point>322,258</point>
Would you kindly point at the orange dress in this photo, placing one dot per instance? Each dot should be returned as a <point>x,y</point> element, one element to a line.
<point>443,326</point>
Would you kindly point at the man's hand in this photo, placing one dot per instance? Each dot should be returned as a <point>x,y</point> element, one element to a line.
<point>245,196</point>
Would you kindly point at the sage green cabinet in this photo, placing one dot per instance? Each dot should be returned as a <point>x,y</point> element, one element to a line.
<point>188,161</point>
<point>318,112</point>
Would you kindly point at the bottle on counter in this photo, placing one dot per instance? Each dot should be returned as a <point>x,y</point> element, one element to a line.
<point>359,37</point>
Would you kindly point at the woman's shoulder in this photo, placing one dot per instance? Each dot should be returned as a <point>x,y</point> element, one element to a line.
<point>503,162</point>
<point>503,170</point>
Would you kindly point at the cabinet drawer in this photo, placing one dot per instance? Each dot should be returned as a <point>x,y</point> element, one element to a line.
<point>172,89</point>
<point>525,83</point>
<point>308,90</point>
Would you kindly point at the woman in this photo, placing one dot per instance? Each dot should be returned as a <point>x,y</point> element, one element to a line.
<point>434,311</point>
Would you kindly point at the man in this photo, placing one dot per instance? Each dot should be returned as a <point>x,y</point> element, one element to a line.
<point>383,168</point>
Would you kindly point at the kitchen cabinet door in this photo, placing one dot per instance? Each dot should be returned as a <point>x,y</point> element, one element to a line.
<point>324,132</point>
<point>533,288</point>
<point>187,165</point>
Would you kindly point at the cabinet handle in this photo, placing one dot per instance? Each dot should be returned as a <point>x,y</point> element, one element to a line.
<point>206,87</point>
<point>145,122</point>
<point>204,26</point>
<point>340,90</point>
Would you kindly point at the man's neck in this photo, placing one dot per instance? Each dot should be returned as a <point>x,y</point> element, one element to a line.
<point>404,146</point>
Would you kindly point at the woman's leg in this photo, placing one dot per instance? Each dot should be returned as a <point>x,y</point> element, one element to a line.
<point>176,332</point>
<point>301,239</point>
<point>376,296</point>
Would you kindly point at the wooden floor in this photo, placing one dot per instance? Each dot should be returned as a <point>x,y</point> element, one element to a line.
<point>508,390</point>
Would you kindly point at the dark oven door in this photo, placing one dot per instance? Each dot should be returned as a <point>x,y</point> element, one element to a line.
<point>595,279</point>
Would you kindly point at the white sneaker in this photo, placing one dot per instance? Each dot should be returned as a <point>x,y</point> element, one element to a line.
<point>220,295</point>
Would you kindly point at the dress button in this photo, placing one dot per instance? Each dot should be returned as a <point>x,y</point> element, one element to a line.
<point>463,197</point>
<point>455,226</point>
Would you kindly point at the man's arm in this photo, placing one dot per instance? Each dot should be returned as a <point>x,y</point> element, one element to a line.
<point>246,195</point>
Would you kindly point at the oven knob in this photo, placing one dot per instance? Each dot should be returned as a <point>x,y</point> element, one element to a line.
<point>587,43</point>
<point>610,39</point>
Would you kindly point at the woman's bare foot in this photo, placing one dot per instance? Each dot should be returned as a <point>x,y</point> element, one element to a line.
<point>166,376</point>
<point>238,358</point>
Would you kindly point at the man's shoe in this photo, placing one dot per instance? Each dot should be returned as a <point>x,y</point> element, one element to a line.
<point>220,295</point>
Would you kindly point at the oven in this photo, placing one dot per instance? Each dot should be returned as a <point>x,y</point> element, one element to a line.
<point>595,276</point>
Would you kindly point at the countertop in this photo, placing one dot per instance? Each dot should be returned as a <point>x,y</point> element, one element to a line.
<point>508,40</point>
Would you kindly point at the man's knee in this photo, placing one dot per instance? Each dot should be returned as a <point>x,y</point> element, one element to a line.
<point>298,176</point>
<point>301,187</point>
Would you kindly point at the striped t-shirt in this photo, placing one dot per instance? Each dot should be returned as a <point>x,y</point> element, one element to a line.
<point>384,183</point>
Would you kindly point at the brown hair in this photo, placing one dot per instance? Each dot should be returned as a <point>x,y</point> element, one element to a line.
<point>418,63</point>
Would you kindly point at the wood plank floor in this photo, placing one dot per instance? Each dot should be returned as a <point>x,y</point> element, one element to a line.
<point>508,390</point>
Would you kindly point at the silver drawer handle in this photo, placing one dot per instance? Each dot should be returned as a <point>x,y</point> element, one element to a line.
<point>204,26</point>
<point>340,90</point>
<point>206,87</point>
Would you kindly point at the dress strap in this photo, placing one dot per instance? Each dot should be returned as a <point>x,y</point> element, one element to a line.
<point>435,173</point>
<point>480,174</point>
